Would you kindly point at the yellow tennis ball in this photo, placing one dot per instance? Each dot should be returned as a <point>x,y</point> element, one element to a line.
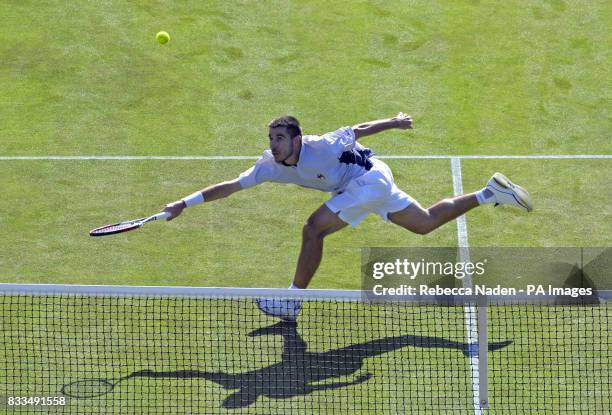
<point>162,37</point>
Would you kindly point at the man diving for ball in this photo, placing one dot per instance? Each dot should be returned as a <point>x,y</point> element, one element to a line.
<point>359,184</point>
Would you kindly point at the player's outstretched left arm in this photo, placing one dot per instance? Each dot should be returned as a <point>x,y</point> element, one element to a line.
<point>401,121</point>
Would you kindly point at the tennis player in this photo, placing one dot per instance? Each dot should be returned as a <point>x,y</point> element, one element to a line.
<point>359,184</point>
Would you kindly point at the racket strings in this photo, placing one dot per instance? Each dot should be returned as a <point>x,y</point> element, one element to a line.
<point>88,388</point>
<point>114,228</point>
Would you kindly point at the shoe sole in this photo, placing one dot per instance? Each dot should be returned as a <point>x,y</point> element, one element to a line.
<point>271,314</point>
<point>521,195</point>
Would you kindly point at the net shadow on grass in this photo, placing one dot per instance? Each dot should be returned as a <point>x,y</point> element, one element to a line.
<point>301,372</point>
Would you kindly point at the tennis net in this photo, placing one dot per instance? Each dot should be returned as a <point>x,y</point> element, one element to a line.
<point>164,350</point>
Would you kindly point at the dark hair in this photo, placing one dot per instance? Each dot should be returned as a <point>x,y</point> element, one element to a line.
<point>290,123</point>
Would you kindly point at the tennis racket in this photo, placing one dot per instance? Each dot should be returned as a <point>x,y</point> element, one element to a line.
<point>92,388</point>
<point>126,226</point>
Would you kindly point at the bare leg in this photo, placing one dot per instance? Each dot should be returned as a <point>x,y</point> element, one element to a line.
<point>422,221</point>
<point>320,224</point>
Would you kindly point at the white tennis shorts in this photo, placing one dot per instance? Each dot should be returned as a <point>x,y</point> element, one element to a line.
<point>374,192</point>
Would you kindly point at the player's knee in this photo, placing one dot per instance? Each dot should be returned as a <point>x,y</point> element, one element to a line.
<point>312,230</point>
<point>428,224</point>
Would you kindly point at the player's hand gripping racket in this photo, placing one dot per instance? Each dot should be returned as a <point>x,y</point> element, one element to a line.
<point>126,226</point>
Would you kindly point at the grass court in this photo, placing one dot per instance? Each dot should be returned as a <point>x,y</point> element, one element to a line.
<point>479,77</point>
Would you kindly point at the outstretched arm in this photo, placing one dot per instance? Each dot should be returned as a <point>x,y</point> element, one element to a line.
<point>214,192</point>
<point>401,121</point>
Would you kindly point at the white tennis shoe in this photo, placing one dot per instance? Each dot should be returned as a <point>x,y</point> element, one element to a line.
<point>286,310</point>
<point>507,193</point>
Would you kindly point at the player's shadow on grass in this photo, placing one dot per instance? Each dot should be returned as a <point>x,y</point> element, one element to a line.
<point>301,372</point>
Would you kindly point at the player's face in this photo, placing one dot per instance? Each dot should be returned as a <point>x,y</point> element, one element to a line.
<point>281,144</point>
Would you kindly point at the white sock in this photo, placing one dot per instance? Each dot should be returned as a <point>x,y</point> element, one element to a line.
<point>294,287</point>
<point>485,196</point>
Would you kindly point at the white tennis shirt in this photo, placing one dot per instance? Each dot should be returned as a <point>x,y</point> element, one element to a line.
<point>326,163</point>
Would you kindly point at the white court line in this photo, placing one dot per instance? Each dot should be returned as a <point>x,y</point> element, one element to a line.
<point>470,312</point>
<point>388,157</point>
<point>496,157</point>
<point>26,158</point>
